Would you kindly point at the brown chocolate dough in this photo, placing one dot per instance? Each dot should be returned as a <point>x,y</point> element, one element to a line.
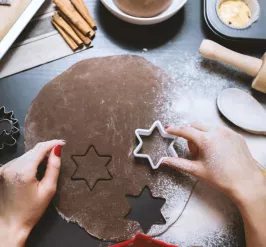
<point>143,8</point>
<point>95,106</point>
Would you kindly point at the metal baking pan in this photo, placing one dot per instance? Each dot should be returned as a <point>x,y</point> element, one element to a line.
<point>256,31</point>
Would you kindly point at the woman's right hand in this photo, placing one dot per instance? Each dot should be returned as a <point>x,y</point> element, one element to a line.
<point>220,157</point>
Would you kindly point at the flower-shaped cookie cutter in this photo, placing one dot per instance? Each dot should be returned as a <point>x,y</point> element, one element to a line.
<point>144,132</point>
<point>8,138</point>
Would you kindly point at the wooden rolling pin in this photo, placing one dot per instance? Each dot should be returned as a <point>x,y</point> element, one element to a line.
<point>252,66</point>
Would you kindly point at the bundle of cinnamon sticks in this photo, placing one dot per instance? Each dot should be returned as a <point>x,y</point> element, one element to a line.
<point>74,22</point>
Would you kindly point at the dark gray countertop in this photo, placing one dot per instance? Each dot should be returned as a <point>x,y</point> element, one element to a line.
<point>183,32</point>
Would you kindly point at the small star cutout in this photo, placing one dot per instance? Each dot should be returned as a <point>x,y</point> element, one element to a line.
<point>146,209</point>
<point>91,167</point>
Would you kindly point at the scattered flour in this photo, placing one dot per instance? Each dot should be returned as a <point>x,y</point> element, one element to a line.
<point>210,218</point>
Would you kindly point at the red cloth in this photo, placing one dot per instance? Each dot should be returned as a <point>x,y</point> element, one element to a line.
<point>143,241</point>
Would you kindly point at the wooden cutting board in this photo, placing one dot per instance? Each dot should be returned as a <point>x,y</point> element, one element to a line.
<point>10,14</point>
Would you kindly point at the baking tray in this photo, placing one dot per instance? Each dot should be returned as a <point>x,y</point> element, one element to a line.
<point>19,25</point>
<point>256,31</point>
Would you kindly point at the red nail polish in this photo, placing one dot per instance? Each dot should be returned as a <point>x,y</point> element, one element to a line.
<point>166,126</point>
<point>57,150</point>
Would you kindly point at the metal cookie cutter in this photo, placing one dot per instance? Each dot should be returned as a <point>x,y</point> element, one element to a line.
<point>9,130</point>
<point>164,134</point>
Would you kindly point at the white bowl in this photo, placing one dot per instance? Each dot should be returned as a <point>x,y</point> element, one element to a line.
<point>173,9</point>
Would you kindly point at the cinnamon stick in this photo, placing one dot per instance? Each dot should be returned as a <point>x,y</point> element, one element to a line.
<point>86,40</point>
<point>62,24</point>
<point>66,8</point>
<point>70,41</point>
<point>83,10</point>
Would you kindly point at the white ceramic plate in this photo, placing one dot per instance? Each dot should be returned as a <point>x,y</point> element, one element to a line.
<point>173,9</point>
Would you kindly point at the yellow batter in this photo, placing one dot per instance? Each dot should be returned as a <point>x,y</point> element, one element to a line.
<point>235,13</point>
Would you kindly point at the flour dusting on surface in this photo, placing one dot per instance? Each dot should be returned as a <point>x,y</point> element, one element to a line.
<point>210,218</point>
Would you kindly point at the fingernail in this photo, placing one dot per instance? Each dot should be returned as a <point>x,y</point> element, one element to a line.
<point>166,127</point>
<point>57,150</point>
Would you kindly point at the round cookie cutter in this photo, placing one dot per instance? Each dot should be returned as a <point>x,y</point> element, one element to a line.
<point>144,132</point>
<point>8,138</point>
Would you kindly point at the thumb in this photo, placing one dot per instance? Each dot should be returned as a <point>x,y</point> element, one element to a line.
<point>49,182</point>
<point>191,167</point>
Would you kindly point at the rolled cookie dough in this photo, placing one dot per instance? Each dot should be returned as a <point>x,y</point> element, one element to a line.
<point>143,8</point>
<point>100,102</point>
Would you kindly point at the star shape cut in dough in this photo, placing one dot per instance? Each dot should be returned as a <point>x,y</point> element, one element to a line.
<point>91,167</point>
<point>146,209</point>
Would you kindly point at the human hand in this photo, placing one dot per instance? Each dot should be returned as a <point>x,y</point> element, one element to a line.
<point>220,157</point>
<point>23,198</point>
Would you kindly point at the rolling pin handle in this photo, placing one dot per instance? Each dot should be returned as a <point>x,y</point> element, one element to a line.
<point>214,51</point>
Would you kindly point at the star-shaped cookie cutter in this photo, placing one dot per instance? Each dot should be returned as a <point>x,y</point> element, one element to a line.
<point>144,132</point>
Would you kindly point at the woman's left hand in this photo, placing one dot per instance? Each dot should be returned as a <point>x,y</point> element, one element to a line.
<point>23,198</point>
